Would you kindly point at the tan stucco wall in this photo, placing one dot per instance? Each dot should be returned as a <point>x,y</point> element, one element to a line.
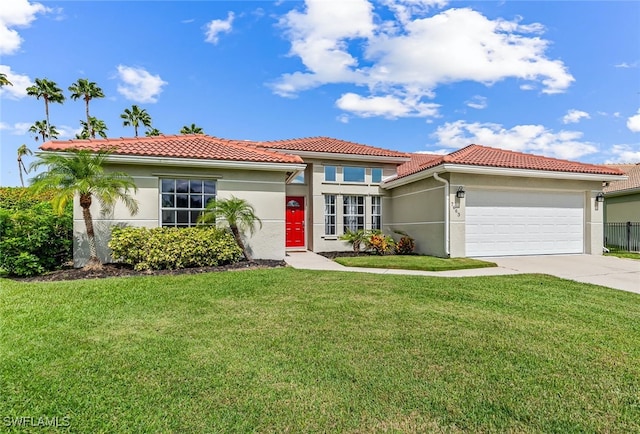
<point>314,190</point>
<point>622,208</point>
<point>418,210</point>
<point>264,190</point>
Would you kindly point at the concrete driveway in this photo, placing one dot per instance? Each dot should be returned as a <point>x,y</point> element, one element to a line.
<point>608,271</point>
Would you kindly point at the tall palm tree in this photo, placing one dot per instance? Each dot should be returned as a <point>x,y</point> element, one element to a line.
<point>192,129</point>
<point>47,90</point>
<point>136,117</point>
<point>4,81</point>
<point>22,152</point>
<point>152,132</point>
<point>87,90</point>
<point>95,126</point>
<point>239,215</point>
<point>81,173</point>
<point>42,128</point>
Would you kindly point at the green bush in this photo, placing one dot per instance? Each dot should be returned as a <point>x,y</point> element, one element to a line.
<point>33,239</point>
<point>173,248</point>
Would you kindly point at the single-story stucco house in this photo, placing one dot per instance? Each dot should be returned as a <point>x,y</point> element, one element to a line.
<point>477,201</point>
<point>622,198</point>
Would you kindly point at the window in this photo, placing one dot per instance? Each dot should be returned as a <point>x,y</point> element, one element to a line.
<point>182,200</point>
<point>329,214</point>
<point>376,213</point>
<point>353,174</point>
<point>299,179</point>
<point>376,175</point>
<point>330,173</point>
<point>353,213</point>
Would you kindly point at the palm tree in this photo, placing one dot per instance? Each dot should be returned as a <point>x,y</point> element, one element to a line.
<point>42,128</point>
<point>81,172</point>
<point>95,126</point>
<point>239,215</point>
<point>23,151</point>
<point>4,81</point>
<point>136,117</point>
<point>47,90</point>
<point>152,132</point>
<point>87,90</point>
<point>192,129</point>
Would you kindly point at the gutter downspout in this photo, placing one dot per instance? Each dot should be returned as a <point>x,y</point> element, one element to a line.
<point>446,213</point>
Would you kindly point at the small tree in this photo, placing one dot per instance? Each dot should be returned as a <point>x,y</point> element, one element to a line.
<point>81,172</point>
<point>22,152</point>
<point>191,129</point>
<point>355,238</point>
<point>135,117</point>
<point>239,215</point>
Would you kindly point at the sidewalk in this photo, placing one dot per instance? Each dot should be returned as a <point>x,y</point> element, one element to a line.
<point>312,261</point>
<point>616,273</point>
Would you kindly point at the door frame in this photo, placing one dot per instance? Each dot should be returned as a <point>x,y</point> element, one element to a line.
<point>301,199</point>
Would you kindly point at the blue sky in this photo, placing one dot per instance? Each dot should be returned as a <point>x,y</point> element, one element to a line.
<point>560,79</point>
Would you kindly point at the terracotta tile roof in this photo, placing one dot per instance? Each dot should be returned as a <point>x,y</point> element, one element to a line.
<point>330,145</point>
<point>477,155</point>
<point>632,171</point>
<point>417,163</point>
<point>196,146</point>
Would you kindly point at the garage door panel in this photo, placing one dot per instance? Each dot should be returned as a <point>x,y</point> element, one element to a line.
<point>523,223</point>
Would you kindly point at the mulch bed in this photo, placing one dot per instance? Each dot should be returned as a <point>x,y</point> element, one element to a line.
<point>122,270</point>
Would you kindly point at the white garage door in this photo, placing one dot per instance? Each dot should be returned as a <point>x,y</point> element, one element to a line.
<point>500,223</point>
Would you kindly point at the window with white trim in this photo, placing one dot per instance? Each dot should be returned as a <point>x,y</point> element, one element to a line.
<point>353,213</point>
<point>376,175</point>
<point>376,212</point>
<point>329,214</point>
<point>353,174</point>
<point>183,200</point>
<point>330,173</point>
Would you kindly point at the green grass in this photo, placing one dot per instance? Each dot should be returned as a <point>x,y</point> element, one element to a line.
<point>624,254</point>
<point>412,262</point>
<point>308,351</point>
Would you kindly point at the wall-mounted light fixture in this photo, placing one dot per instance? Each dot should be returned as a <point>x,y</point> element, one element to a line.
<point>600,197</point>
<point>460,193</point>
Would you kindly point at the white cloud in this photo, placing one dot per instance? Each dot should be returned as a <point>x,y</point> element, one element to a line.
<point>20,83</point>
<point>388,106</point>
<point>522,138</point>
<point>17,129</point>
<point>66,132</point>
<point>477,102</point>
<point>343,118</point>
<point>16,13</point>
<point>627,65</point>
<point>633,123</point>
<point>216,27</point>
<point>346,43</point>
<point>138,85</point>
<point>625,154</point>
<point>574,116</point>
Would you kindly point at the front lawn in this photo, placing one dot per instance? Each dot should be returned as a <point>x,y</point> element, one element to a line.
<point>288,350</point>
<point>624,254</point>
<point>412,262</point>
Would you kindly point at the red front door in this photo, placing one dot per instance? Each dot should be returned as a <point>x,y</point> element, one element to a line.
<point>295,221</point>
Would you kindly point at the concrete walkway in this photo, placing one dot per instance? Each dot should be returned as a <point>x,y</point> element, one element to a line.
<point>607,271</point>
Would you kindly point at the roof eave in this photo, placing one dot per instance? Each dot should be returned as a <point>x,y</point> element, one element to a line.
<point>198,163</point>
<point>499,171</point>
<point>626,191</point>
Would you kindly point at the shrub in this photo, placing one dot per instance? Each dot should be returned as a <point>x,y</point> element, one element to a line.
<point>406,245</point>
<point>173,248</point>
<point>355,238</point>
<point>380,244</point>
<point>33,239</point>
